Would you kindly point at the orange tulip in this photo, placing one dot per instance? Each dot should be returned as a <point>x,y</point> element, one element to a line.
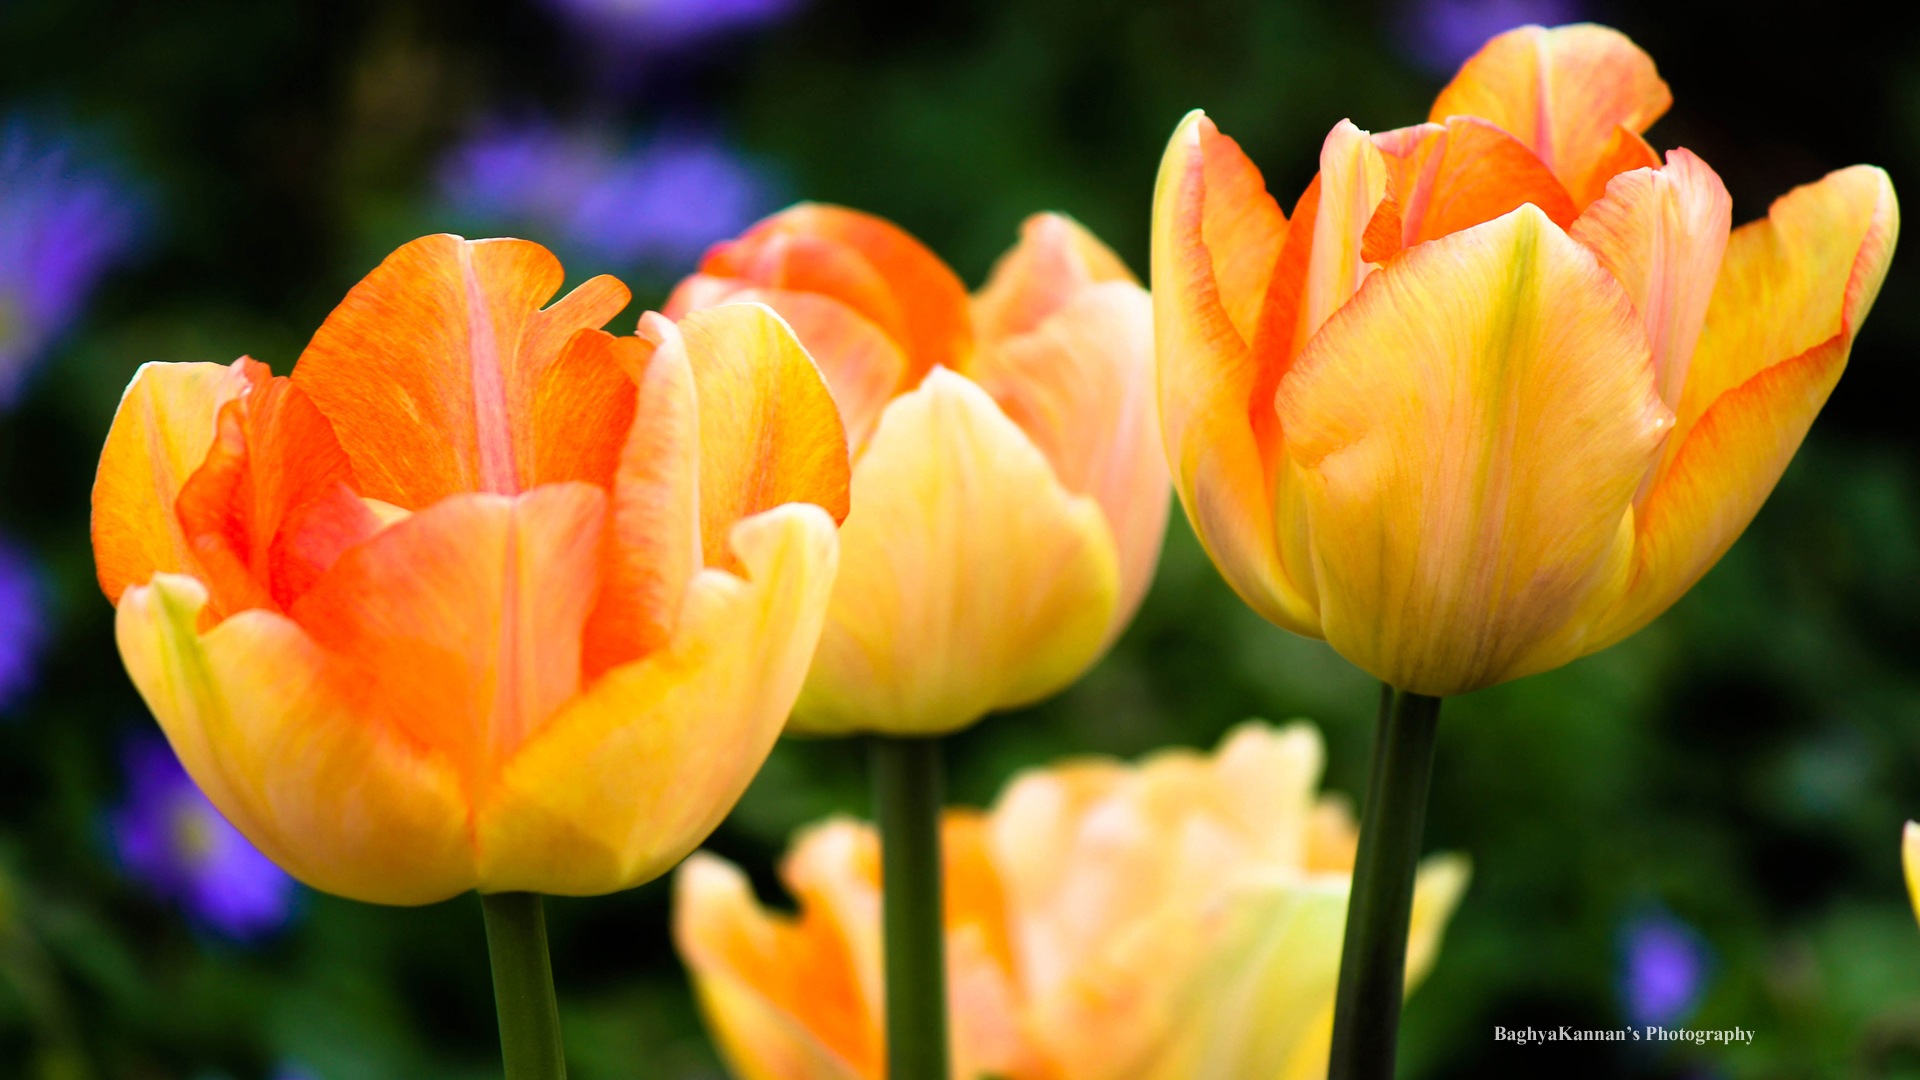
<point>1009,496</point>
<point>481,597</point>
<point>1503,387</point>
<point>1175,920</point>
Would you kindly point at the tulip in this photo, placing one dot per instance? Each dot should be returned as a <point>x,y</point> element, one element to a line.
<point>1008,502</point>
<point>480,597</point>
<point>1501,388</point>
<point>1178,919</point>
<point>1910,860</point>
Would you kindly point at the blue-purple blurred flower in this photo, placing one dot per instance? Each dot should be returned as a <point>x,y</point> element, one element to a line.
<point>23,629</point>
<point>1663,969</point>
<point>658,204</point>
<point>63,223</point>
<point>661,25</point>
<point>1439,35</point>
<point>172,839</point>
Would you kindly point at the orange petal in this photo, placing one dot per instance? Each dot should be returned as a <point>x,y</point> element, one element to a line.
<point>1055,259</point>
<point>437,371</point>
<point>1625,152</point>
<point>1453,176</point>
<point>160,435</point>
<point>1473,425</point>
<point>1081,386</point>
<point>807,248</point>
<point>1792,292</point>
<point>284,750</point>
<point>1661,233</point>
<point>583,410</point>
<point>1563,92</point>
<point>462,624</point>
<point>273,455</point>
<point>654,527</point>
<point>971,580</point>
<point>1208,379</point>
<point>641,767</point>
<point>769,431</point>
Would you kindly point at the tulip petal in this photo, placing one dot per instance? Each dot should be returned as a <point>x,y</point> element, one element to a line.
<point>867,263</point>
<point>1353,182</point>
<point>462,624</point>
<point>863,367</point>
<point>160,435</point>
<point>1081,386</point>
<point>1563,92</point>
<point>734,948</point>
<point>281,746</point>
<point>1210,381</point>
<point>1792,292</point>
<point>1446,177</point>
<point>1661,233</point>
<point>636,771</point>
<point>1910,862</point>
<point>1473,425</point>
<point>971,581</point>
<point>769,431</point>
<point>437,371</point>
<point>1055,259</point>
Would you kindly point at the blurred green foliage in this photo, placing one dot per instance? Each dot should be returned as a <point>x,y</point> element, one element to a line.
<point>1745,763</point>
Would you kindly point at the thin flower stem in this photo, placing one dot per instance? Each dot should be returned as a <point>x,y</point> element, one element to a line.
<point>906,802</point>
<point>1373,960</point>
<point>523,986</point>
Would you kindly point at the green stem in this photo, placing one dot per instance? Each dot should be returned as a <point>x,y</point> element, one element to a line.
<point>523,986</point>
<point>906,802</point>
<point>1373,960</point>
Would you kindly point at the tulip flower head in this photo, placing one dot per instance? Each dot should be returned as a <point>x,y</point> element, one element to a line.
<point>1502,387</point>
<point>1008,499</point>
<point>480,597</point>
<point>1178,919</point>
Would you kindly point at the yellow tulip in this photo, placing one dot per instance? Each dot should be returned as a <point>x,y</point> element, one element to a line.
<point>1503,387</point>
<point>1174,920</point>
<point>480,597</point>
<point>1009,495</point>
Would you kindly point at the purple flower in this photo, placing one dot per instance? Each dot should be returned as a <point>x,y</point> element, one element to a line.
<point>22,623</point>
<point>659,204</point>
<point>658,25</point>
<point>63,223</point>
<point>1663,969</point>
<point>1439,35</point>
<point>171,838</point>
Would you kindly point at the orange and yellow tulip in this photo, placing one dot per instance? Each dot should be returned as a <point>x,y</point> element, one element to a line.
<point>1009,495</point>
<point>1502,387</point>
<point>480,597</point>
<point>1178,919</point>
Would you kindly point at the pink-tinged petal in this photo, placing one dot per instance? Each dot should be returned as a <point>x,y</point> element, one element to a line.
<point>971,579</point>
<point>1564,92</point>
<point>160,435</point>
<point>461,626</point>
<point>1219,448</point>
<point>284,749</point>
<point>436,372</point>
<point>635,772</point>
<point>1081,386</point>
<point>1661,233</point>
<point>1442,178</point>
<point>1055,259</point>
<point>1792,292</point>
<point>1473,426</point>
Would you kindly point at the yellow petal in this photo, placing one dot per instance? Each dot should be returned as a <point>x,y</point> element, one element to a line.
<point>637,770</point>
<point>160,435</point>
<point>1353,181</point>
<point>1565,92</point>
<point>1080,384</point>
<point>1910,860</point>
<point>971,579</point>
<point>1792,292</point>
<point>1210,379</point>
<point>1473,425</point>
<point>281,748</point>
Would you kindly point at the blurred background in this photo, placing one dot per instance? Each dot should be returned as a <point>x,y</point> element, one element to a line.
<point>1699,826</point>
